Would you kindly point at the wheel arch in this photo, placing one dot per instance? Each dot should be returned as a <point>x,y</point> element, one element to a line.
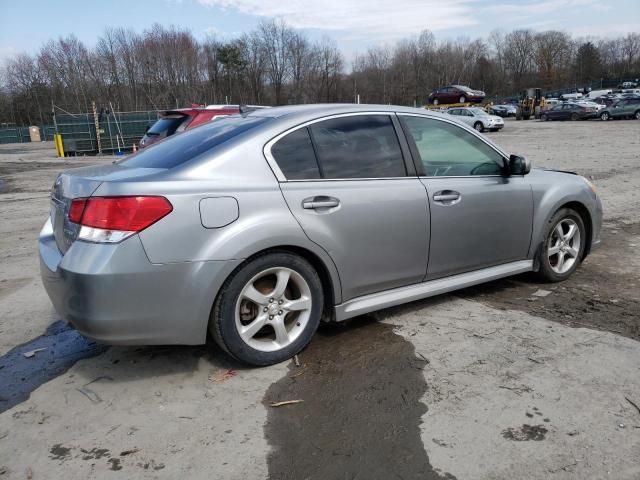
<point>325,268</point>
<point>585,215</point>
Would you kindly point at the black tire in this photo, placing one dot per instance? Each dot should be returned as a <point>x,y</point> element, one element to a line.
<point>544,117</point>
<point>604,116</point>
<point>479,127</point>
<point>463,99</point>
<point>546,272</point>
<point>222,323</point>
<point>637,115</point>
<point>574,116</point>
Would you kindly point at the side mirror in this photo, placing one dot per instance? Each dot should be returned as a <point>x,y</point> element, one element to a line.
<point>519,165</point>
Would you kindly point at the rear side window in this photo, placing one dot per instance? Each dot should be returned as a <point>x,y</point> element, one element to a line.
<point>362,146</point>
<point>186,146</point>
<point>166,126</point>
<point>295,157</point>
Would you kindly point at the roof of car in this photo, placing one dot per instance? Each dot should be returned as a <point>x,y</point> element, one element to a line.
<point>322,109</point>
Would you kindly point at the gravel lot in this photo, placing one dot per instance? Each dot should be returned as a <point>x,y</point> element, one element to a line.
<point>499,381</point>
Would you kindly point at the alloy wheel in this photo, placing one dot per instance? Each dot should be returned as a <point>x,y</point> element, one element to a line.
<point>563,246</point>
<point>273,309</point>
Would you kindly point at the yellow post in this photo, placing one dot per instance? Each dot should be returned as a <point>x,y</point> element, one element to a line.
<point>55,142</point>
<point>59,144</point>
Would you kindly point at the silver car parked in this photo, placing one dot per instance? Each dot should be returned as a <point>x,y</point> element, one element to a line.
<point>477,118</point>
<point>256,227</point>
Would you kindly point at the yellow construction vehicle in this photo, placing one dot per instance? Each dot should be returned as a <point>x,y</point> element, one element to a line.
<point>530,104</point>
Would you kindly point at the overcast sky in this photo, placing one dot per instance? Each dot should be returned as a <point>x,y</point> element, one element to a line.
<point>355,24</point>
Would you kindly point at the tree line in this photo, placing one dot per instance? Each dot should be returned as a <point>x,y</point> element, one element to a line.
<point>167,67</point>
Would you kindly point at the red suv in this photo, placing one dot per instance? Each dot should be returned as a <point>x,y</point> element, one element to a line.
<point>455,94</point>
<point>173,121</point>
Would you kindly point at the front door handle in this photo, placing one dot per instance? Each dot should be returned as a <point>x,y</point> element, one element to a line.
<point>320,202</point>
<point>447,197</point>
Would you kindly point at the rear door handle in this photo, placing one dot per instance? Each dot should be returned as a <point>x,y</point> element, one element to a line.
<point>320,202</point>
<point>447,197</point>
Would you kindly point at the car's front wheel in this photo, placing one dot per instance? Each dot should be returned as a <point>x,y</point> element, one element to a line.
<point>478,126</point>
<point>604,116</point>
<point>564,243</point>
<point>436,101</point>
<point>463,99</point>
<point>637,115</point>
<point>268,310</point>
<point>544,117</point>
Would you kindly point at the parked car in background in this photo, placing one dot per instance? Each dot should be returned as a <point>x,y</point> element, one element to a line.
<point>504,111</point>
<point>174,121</point>
<point>455,94</point>
<point>256,227</point>
<point>623,108</point>
<point>571,96</point>
<point>593,94</point>
<point>589,103</point>
<point>629,85</point>
<point>605,100</point>
<point>477,118</point>
<point>569,111</point>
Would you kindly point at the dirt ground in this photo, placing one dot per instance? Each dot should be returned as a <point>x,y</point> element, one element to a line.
<point>511,379</point>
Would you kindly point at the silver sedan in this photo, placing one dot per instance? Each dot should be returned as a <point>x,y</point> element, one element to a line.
<point>256,227</point>
<point>477,118</point>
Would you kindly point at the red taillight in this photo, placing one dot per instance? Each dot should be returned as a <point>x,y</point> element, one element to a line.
<point>77,207</point>
<point>131,214</point>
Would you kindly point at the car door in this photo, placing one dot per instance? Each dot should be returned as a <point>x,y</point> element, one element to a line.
<point>556,112</point>
<point>479,217</point>
<point>358,197</point>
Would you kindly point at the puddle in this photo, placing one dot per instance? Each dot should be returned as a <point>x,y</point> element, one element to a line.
<point>361,386</point>
<point>19,375</point>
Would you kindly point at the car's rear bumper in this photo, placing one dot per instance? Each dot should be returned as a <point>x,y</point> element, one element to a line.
<point>112,293</point>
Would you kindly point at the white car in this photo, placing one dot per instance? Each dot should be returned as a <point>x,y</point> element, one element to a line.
<point>571,96</point>
<point>477,118</point>
<point>589,103</point>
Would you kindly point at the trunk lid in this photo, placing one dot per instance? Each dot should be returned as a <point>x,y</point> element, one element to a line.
<point>82,182</point>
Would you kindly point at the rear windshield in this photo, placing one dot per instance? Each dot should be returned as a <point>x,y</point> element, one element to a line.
<point>166,124</point>
<point>179,149</point>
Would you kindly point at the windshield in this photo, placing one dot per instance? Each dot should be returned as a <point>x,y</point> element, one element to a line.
<point>179,149</point>
<point>166,124</point>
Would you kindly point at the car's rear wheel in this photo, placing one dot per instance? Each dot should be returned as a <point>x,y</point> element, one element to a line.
<point>574,116</point>
<point>436,101</point>
<point>268,310</point>
<point>463,99</point>
<point>604,116</point>
<point>637,115</point>
<point>478,126</point>
<point>564,243</point>
<point>544,117</point>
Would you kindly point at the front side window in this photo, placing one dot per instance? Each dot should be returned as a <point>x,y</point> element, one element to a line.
<point>362,146</point>
<point>451,151</point>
